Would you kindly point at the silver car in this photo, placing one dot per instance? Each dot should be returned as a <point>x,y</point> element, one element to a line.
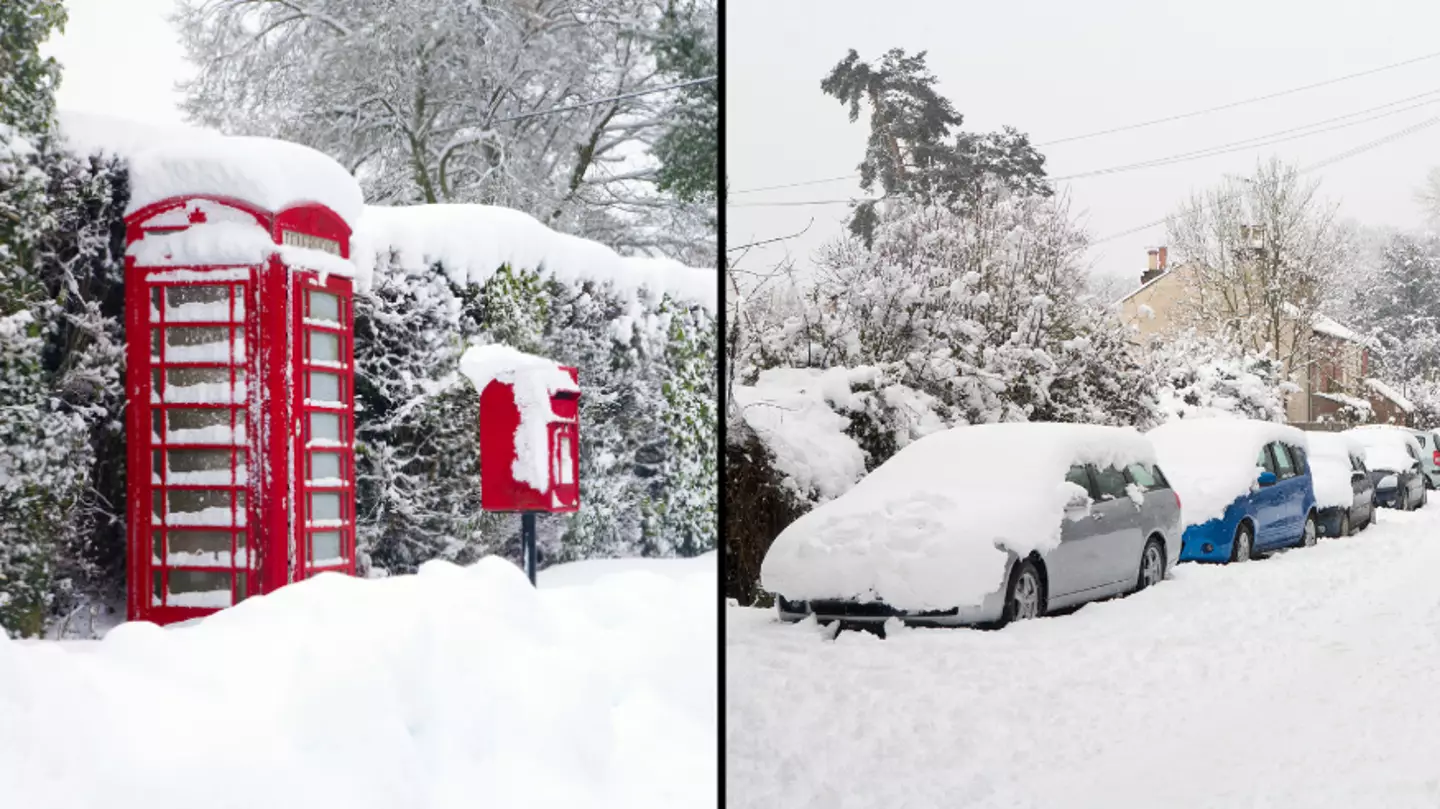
<point>1122,535</point>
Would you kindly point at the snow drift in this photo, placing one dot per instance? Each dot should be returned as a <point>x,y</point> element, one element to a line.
<point>1211,461</point>
<point>930,527</point>
<point>454,687</point>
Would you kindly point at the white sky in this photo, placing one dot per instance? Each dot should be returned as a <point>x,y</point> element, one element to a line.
<point>1055,69</point>
<point>120,58</point>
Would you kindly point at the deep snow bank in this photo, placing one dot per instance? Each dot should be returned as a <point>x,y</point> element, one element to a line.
<point>455,687</point>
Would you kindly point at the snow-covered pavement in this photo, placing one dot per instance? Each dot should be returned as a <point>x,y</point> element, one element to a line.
<point>1309,679</point>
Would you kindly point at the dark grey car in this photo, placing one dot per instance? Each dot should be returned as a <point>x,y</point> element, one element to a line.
<point>1120,537</point>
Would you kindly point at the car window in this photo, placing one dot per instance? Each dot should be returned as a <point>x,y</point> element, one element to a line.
<point>1302,465</point>
<point>1161,482</point>
<point>1110,483</point>
<point>1264,461</point>
<point>1141,475</point>
<point>1357,463</point>
<point>1284,468</point>
<point>1080,476</point>
<point>1410,448</point>
<point>1421,439</point>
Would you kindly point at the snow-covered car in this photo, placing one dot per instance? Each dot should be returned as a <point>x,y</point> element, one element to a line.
<point>1245,485</point>
<point>1344,492</point>
<point>983,525</point>
<point>1393,457</point>
<point>1429,455</point>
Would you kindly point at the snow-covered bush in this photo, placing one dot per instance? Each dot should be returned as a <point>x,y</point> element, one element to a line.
<point>1200,376</point>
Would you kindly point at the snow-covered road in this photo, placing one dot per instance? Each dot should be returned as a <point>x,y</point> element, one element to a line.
<point>1311,678</point>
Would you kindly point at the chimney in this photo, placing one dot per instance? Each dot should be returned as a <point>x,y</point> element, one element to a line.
<point>1156,266</point>
<point>1164,266</point>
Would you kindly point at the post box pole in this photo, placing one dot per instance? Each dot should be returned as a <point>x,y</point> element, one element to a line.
<point>527,543</point>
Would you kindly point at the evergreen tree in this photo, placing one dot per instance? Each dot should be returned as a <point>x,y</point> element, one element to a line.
<point>689,150</point>
<point>1400,306</point>
<point>913,151</point>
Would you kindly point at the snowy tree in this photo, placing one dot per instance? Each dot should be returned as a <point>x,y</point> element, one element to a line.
<point>913,151</point>
<point>1398,303</point>
<point>1263,255</point>
<point>1428,197</point>
<point>983,310</point>
<point>453,101</point>
<point>689,150</point>
<point>1204,375</point>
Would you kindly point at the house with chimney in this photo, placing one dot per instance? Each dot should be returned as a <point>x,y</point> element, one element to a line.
<point>1334,378</point>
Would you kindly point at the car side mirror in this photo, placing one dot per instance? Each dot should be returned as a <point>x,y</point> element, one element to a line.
<point>1357,475</point>
<point>1078,502</point>
<point>1267,478</point>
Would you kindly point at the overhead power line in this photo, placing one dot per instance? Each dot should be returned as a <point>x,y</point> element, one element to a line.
<point>1329,161</point>
<point>1154,122</point>
<point>1242,103</point>
<point>1259,141</point>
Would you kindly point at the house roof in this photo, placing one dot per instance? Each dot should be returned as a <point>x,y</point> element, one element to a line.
<point>1391,394</point>
<point>1146,285</point>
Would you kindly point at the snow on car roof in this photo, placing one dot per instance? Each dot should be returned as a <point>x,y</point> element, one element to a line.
<point>922,530</point>
<point>1384,446</point>
<point>1330,467</point>
<point>1211,461</point>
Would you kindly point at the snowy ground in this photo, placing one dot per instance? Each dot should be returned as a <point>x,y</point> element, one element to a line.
<point>1308,679</point>
<point>452,688</point>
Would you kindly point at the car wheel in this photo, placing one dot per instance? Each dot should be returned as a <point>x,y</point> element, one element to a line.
<point>1424,496</point>
<point>1244,544</point>
<point>1025,598</point>
<point>1402,498</point>
<point>1345,525</point>
<point>1308,536</point>
<point>1152,565</point>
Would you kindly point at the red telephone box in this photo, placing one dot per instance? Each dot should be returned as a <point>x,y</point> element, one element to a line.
<point>240,414</point>
<point>502,450</point>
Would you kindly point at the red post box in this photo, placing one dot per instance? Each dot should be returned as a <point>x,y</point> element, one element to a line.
<point>511,465</point>
<point>529,436</point>
<point>240,386</point>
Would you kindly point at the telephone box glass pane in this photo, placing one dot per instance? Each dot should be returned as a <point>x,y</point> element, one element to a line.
<point>188,304</point>
<point>199,547</point>
<point>324,306</point>
<point>324,347</point>
<point>324,427</point>
<point>205,425</point>
<point>324,506</point>
<point>199,588</point>
<point>324,466</point>
<point>198,507</point>
<point>324,387</point>
<point>202,466</point>
<point>324,546</point>
<point>197,344</point>
<point>155,344</point>
<point>204,385</point>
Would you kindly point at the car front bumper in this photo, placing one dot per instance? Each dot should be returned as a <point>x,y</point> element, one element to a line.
<point>874,613</point>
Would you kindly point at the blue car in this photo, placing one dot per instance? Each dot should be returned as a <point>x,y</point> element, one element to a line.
<point>1278,511</point>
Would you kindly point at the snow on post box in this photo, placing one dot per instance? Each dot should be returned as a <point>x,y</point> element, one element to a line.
<point>529,430</point>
